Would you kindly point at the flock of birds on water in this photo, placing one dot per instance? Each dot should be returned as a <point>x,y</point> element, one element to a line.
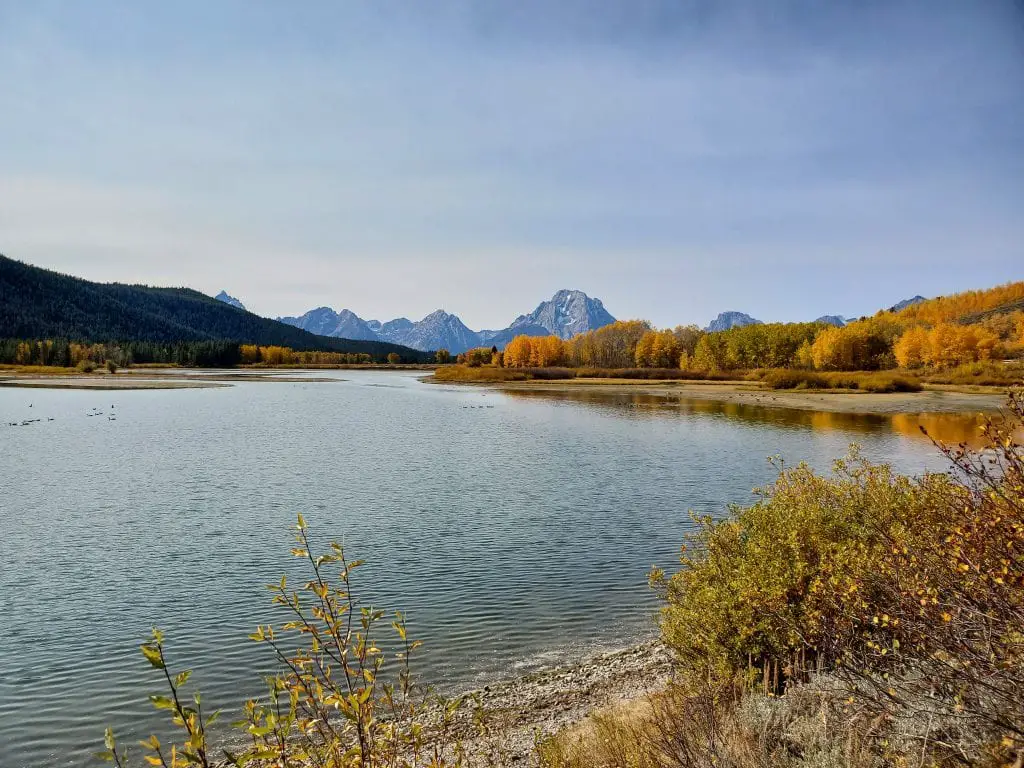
<point>111,416</point>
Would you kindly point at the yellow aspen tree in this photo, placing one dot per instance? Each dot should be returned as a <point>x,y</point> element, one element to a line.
<point>910,349</point>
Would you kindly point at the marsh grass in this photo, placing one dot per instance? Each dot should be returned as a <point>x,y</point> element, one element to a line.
<point>864,381</point>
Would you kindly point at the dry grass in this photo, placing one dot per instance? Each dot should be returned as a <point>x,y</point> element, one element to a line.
<point>864,381</point>
<point>810,727</point>
<point>39,370</point>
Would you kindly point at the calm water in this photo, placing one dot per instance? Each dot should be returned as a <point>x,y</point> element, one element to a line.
<point>515,531</point>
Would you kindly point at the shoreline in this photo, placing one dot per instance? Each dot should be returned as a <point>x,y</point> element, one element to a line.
<point>148,379</point>
<point>932,399</point>
<point>520,710</point>
<point>929,400</point>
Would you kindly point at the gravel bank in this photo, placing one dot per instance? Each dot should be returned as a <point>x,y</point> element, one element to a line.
<point>520,710</point>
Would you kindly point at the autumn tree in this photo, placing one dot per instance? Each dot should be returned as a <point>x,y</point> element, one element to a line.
<point>250,353</point>
<point>394,358</point>
<point>546,351</point>
<point>687,336</point>
<point>710,354</point>
<point>865,345</point>
<point>518,352</point>
<point>950,345</point>
<point>658,349</point>
<point>911,348</point>
<point>611,346</point>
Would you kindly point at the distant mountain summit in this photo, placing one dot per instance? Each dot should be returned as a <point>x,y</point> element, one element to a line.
<point>727,320</point>
<point>229,300</point>
<point>392,329</point>
<point>837,320</point>
<point>565,314</point>
<point>440,330</point>
<point>906,303</point>
<point>324,321</point>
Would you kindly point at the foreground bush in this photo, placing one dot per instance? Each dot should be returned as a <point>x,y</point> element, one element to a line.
<point>789,379</point>
<point>908,590</point>
<point>335,702</point>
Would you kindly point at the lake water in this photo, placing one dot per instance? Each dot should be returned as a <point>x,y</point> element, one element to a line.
<point>515,530</point>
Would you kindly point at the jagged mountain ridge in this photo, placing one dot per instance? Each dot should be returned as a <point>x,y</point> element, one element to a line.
<point>567,313</point>
<point>324,321</point>
<point>230,300</point>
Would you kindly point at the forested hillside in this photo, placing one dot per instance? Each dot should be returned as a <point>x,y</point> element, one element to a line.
<point>39,304</point>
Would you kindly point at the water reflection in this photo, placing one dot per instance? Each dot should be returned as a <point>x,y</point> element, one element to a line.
<point>951,428</point>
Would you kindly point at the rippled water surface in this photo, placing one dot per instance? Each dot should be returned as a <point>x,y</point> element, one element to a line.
<point>514,530</point>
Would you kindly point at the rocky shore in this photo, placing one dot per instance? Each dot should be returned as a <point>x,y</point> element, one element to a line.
<point>523,709</point>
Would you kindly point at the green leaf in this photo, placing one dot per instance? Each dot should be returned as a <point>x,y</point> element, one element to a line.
<point>182,678</point>
<point>161,702</point>
<point>152,654</point>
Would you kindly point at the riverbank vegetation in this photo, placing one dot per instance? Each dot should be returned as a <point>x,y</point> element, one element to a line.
<point>64,354</point>
<point>859,619</point>
<point>929,336</point>
<point>970,339</point>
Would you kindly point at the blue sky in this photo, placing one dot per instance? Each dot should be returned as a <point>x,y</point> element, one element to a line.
<point>787,159</point>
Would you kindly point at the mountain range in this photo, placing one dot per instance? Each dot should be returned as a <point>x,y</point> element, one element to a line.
<point>566,314</point>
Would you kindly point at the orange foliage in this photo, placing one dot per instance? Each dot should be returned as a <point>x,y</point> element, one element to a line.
<point>947,309</point>
<point>546,351</point>
<point>911,348</point>
<point>950,345</point>
<point>517,352</point>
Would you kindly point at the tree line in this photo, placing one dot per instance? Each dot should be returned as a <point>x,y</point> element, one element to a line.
<point>927,335</point>
<point>190,354</point>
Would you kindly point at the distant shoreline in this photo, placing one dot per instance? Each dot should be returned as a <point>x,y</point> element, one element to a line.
<point>932,399</point>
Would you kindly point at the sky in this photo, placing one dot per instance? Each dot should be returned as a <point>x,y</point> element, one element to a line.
<point>787,159</point>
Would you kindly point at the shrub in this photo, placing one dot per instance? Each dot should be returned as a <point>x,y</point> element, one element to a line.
<point>888,382</point>
<point>783,378</point>
<point>481,374</point>
<point>86,366</point>
<point>111,366</point>
<point>911,590</point>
